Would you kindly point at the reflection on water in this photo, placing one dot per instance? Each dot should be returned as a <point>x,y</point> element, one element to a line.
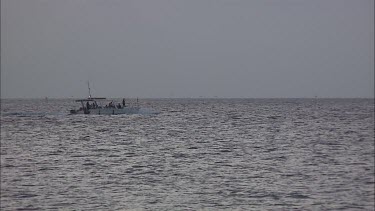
<point>260,154</point>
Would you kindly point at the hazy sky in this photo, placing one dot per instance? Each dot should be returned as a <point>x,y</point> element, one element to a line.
<point>187,48</point>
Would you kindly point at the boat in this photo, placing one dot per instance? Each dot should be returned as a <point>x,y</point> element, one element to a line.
<point>93,105</point>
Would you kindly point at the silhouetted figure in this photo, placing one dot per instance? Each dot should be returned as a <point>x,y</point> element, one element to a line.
<point>123,102</point>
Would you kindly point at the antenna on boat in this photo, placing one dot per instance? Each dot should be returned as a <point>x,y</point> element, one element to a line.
<point>88,85</point>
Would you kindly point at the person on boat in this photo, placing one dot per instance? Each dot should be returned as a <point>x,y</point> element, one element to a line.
<point>119,106</point>
<point>87,105</point>
<point>112,105</point>
<point>123,102</point>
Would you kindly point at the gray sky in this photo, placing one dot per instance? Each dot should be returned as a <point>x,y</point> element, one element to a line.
<point>187,48</point>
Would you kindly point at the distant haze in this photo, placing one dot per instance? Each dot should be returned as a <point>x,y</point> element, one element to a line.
<point>187,48</point>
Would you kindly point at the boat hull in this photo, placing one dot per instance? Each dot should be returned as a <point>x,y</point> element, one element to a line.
<point>107,111</point>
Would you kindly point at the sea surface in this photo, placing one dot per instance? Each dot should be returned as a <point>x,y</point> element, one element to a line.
<point>196,154</point>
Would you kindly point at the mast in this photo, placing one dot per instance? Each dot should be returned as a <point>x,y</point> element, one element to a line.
<point>88,85</point>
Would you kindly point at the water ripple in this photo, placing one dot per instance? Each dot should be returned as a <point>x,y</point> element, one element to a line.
<point>214,154</point>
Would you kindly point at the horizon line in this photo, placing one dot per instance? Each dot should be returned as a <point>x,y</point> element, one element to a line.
<point>43,98</point>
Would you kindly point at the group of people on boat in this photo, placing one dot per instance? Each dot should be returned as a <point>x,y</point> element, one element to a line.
<point>91,106</point>
<point>110,105</point>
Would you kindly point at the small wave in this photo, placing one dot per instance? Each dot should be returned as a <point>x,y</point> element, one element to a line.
<point>29,114</point>
<point>148,111</point>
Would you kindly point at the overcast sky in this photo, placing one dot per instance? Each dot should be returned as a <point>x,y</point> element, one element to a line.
<point>187,48</point>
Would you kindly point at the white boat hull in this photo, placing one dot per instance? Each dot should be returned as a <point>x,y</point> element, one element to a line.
<point>108,111</point>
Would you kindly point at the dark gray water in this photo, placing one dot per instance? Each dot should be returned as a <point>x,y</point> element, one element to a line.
<point>232,154</point>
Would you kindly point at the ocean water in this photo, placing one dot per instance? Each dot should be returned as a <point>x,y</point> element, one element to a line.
<point>196,154</point>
